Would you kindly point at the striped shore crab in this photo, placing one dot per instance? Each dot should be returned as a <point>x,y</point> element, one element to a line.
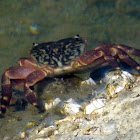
<point>58,58</point>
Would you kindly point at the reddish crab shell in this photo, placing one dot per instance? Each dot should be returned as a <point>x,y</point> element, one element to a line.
<point>61,57</point>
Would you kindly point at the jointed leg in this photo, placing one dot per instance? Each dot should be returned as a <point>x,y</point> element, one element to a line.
<point>6,92</point>
<point>30,81</point>
<point>129,50</point>
<point>127,59</point>
<point>94,56</point>
<point>27,62</point>
<point>112,52</point>
<point>112,61</point>
<point>11,74</point>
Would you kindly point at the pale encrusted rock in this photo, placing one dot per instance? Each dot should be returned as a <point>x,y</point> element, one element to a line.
<point>119,119</point>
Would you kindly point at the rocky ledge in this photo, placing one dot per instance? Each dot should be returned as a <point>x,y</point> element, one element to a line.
<point>118,119</point>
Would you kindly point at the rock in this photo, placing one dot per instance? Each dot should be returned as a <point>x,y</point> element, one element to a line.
<point>118,119</point>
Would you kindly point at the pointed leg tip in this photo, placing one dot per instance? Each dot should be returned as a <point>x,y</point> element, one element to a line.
<point>138,68</point>
<point>1,115</point>
<point>41,109</point>
<point>35,104</point>
<point>3,109</point>
<point>5,98</point>
<point>117,68</point>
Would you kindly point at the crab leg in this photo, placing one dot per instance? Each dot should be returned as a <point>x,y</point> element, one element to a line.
<point>129,50</point>
<point>89,57</point>
<point>95,56</point>
<point>111,61</point>
<point>110,54</point>
<point>6,92</point>
<point>11,74</point>
<point>127,59</point>
<point>27,62</point>
<point>30,81</point>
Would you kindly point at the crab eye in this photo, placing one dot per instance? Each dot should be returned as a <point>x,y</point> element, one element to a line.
<point>76,36</point>
<point>35,44</point>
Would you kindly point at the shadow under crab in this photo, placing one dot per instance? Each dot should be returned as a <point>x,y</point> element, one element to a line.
<point>59,58</point>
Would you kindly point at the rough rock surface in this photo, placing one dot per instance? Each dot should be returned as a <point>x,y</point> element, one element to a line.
<point>119,119</point>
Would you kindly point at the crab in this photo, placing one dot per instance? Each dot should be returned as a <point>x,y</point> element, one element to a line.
<point>58,58</point>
